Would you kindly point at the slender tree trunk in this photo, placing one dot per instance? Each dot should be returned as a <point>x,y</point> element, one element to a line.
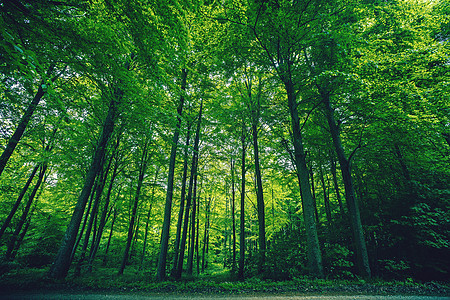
<point>183,195</point>
<point>259,202</point>
<point>206,235</point>
<point>326,200</point>
<point>313,190</point>
<point>23,218</point>
<point>17,135</point>
<point>18,201</point>
<point>144,247</point>
<point>105,258</point>
<point>242,223</point>
<point>86,216</point>
<point>313,248</point>
<point>98,194</point>
<point>358,233</point>
<point>197,239</point>
<point>61,265</point>
<point>142,170</point>
<point>233,201</point>
<point>165,233</point>
<point>335,182</point>
<point>103,217</point>
<point>190,261</point>
<point>189,196</point>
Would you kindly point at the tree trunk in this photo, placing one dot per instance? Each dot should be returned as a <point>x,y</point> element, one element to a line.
<point>23,218</point>
<point>142,170</point>
<point>105,258</point>
<point>183,195</point>
<point>86,216</point>
<point>259,198</point>
<point>326,200</point>
<point>242,223</point>
<point>313,190</point>
<point>189,196</point>
<point>190,261</point>
<point>98,194</point>
<point>313,248</point>
<point>17,135</point>
<point>148,220</point>
<point>165,232</point>
<point>61,265</point>
<point>18,201</point>
<point>103,217</point>
<point>233,201</point>
<point>206,235</point>
<point>358,233</point>
<point>335,182</point>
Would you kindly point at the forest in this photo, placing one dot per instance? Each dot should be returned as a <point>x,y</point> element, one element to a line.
<point>270,139</point>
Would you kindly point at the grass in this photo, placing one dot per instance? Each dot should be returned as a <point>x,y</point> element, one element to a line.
<point>215,281</point>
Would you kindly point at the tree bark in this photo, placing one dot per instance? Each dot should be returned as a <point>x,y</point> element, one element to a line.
<point>23,218</point>
<point>165,233</point>
<point>233,201</point>
<point>335,182</point>
<point>313,248</point>
<point>313,190</point>
<point>355,218</point>
<point>98,193</point>
<point>182,202</point>
<point>259,195</point>
<point>190,261</point>
<point>148,220</point>
<point>103,217</point>
<point>18,201</point>
<point>326,199</point>
<point>105,258</point>
<point>242,217</point>
<point>142,170</point>
<point>61,265</point>
<point>189,196</point>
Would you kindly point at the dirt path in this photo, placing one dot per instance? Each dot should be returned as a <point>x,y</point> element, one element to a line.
<point>108,296</point>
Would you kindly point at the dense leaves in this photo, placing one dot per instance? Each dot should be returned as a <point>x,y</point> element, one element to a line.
<point>339,110</point>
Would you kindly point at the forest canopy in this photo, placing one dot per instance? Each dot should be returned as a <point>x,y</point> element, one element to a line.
<point>270,138</point>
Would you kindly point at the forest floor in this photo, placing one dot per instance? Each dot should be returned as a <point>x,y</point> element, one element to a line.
<point>105,284</point>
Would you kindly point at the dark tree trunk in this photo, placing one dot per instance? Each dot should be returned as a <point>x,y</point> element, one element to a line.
<point>103,217</point>
<point>181,211</point>
<point>197,239</point>
<point>358,233</point>
<point>326,200</point>
<point>98,193</point>
<point>165,232</point>
<point>142,170</point>
<point>86,216</point>
<point>206,235</point>
<point>335,182</point>
<point>242,223</point>
<point>189,196</point>
<point>233,201</point>
<point>313,248</point>
<point>18,201</point>
<point>61,265</point>
<point>313,190</point>
<point>17,135</point>
<point>24,217</point>
<point>259,198</point>
<point>190,262</point>
<point>144,247</point>
<point>105,258</point>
